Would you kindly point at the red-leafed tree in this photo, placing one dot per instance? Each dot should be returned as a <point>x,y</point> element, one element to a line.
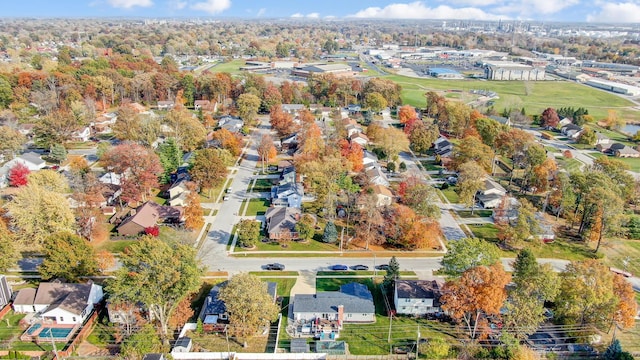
<point>353,152</point>
<point>281,121</point>
<point>139,168</point>
<point>18,175</point>
<point>152,230</point>
<point>550,118</point>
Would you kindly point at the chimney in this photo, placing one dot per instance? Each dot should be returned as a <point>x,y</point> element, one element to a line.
<point>340,315</point>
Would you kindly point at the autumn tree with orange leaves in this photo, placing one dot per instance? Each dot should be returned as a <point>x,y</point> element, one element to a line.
<point>627,308</point>
<point>406,113</point>
<point>139,168</point>
<point>480,292</point>
<point>266,150</point>
<point>405,229</point>
<point>193,214</point>
<point>281,122</point>
<point>353,152</point>
<point>228,140</point>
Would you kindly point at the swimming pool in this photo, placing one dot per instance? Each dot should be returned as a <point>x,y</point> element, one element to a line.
<point>33,329</point>
<point>56,333</point>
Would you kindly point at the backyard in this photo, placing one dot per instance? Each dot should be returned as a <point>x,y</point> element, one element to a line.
<point>10,331</point>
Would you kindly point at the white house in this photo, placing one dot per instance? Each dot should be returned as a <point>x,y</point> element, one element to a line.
<point>82,135</point>
<point>492,194</point>
<point>5,291</point>
<point>31,160</point>
<point>384,196</point>
<point>359,138</point>
<point>369,159</point>
<point>376,176</point>
<point>417,297</point>
<point>60,303</point>
<point>178,194</point>
<point>352,304</point>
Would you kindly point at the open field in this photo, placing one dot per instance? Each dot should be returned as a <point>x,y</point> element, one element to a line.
<point>619,252</point>
<point>232,67</point>
<point>513,94</point>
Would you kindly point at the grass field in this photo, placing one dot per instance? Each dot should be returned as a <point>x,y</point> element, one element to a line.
<point>513,95</point>
<point>311,245</point>
<point>488,232</point>
<point>620,252</point>
<point>451,195</point>
<point>257,207</point>
<point>10,332</point>
<point>262,185</point>
<point>571,165</point>
<point>232,67</point>
<point>476,213</point>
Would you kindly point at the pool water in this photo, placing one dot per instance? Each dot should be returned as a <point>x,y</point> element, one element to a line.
<point>33,329</point>
<point>56,333</point>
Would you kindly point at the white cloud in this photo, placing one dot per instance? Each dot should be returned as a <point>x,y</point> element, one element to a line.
<point>261,12</point>
<point>618,12</point>
<point>474,2</point>
<point>527,8</point>
<point>177,4</point>
<point>313,15</point>
<point>128,4</point>
<point>418,10</point>
<point>212,6</point>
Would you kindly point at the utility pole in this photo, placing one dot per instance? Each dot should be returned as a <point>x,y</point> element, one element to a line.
<point>417,340</point>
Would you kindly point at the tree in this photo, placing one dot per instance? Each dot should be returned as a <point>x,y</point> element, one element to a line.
<point>208,170</point>
<point>158,274</point>
<point>248,232</point>
<point>306,227</point>
<point>266,150</point>
<point>228,141</point>
<point>281,122</point>
<point>470,181</point>
<point>586,295</point>
<point>248,303</point>
<point>49,180</point>
<point>405,229</point>
<point>587,137</point>
<point>422,136</point>
<point>406,113</point>
<point>188,131</point>
<point>422,198</point>
<point>193,213</point>
<point>627,308</point>
<point>524,228</point>
<point>375,101</point>
<point>472,148</point>
<point>6,93</point>
<point>467,253</point>
<point>139,168</point>
<point>11,141</point>
<point>129,124</point>
<point>183,312</point>
<point>392,274</point>
<point>58,153</point>
<point>68,256</point>
<point>143,342</point>
<point>436,348</point>
<point>392,141</point>
<point>37,213</point>
<point>550,118</point>
<point>18,175</point>
<point>55,128</point>
<point>170,157</point>
<point>614,352</point>
<point>248,106</point>
<point>330,234</point>
<point>7,248</point>
<point>369,220</point>
<point>480,291</point>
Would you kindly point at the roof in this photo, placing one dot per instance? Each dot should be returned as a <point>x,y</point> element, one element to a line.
<point>184,342</point>
<point>70,297</point>
<point>382,190</point>
<point>281,218</point>
<point>32,157</point>
<point>356,289</point>
<point>299,346</point>
<point>439,71</point>
<point>149,213</point>
<point>153,356</point>
<point>490,184</point>
<point>201,102</point>
<point>25,297</point>
<point>272,289</point>
<point>627,150</point>
<point>418,289</point>
<point>213,305</point>
<point>355,300</point>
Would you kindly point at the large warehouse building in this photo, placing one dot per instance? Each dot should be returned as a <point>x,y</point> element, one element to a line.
<point>506,70</point>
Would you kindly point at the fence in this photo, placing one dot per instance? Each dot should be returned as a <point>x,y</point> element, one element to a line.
<point>80,337</point>
<point>5,310</point>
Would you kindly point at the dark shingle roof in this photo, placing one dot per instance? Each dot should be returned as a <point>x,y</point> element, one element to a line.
<point>327,302</point>
<point>418,289</point>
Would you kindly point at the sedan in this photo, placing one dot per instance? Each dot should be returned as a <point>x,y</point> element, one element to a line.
<point>359,267</point>
<point>338,267</point>
<point>383,267</point>
<point>274,266</point>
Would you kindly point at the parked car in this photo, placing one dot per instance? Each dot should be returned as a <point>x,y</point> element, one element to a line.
<point>383,267</point>
<point>359,267</point>
<point>225,198</point>
<point>338,267</point>
<point>274,266</point>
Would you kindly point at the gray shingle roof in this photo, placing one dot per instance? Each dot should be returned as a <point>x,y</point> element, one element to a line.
<point>418,289</point>
<point>328,301</point>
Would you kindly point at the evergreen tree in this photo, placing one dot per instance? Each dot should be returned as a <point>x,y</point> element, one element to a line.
<point>58,153</point>
<point>330,233</point>
<point>393,272</point>
<point>170,158</point>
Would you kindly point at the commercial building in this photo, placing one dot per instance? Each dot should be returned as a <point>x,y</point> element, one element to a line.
<point>506,70</point>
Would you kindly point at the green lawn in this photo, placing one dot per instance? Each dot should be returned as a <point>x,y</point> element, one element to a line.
<point>273,273</point>
<point>451,195</point>
<point>115,246</point>
<point>10,332</point>
<point>311,245</point>
<point>262,185</point>
<point>232,67</point>
<point>563,249</point>
<point>102,335</point>
<point>370,272</point>
<point>430,165</point>
<point>634,163</point>
<point>487,232</point>
<point>512,94</point>
<point>571,165</point>
<point>257,207</point>
<point>476,213</point>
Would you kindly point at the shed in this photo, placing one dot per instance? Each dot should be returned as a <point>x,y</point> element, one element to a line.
<point>299,346</point>
<point>331,347</point>
<point>182,345</point>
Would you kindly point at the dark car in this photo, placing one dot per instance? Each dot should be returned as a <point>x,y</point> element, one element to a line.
<point>359,267</point>
<point>383,267</point>
<point>338,267</point>
<point>274,266</point>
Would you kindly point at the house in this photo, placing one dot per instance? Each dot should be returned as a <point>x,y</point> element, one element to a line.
<point>281,222</point>
<point>507,212</point>
<point>166,105</point>
<point>81,135</point>
<point>287,175</point>
<point>492,194</point>
<point>182,345</point>
<point>154,356</point>
<point>289,143</point>
<point>231,123</point>
<point>627,152</point>
<point>369,159</point>
<point>564,121</point>
<point>31,160</point>
<point>501,119</point>
<point>289,194</point>
<point>178,193</point>
<point>602,139</point>
<point>384,196</point>
<point>352,129</point>
<point>353,303</point>
<point>571,131</point>
<point>58,302</point>
<point>545,228</point>
<point>292,108</point>
<point>5,291</point>
<point>417,297</point>
<point>376,176</point>
<point>360,139</point>
<point>214,310</point>
<point>443,147</point>
<point>610,148</point>
<point>201,104</point>
<point>148,215</point>
<point>110,178</point>
<point>354,108</point>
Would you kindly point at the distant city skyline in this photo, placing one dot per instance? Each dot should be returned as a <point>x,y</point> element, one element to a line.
<point>625,11</point>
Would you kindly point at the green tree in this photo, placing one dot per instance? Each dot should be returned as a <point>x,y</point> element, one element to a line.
<point>306,227</point>
<point>330,234</point>
<point>7,248</point>
<point>467,253</point>
<point>37,213</point>
<point>248,106</point>
<point>6,94</point>
<point>102,148</point>
<point>488,130</point>
<point>68,256</point>
<point>49,180</point>
<point>188,131</point>
<point>422,198</point>
<point>58,153</point>
<point>614,352</point>
<point>208,170</point>
<point>157,274</point>
<point>11,141</point>
<point>375,101</point>
<point>143,342</point>
<point>436,348</point>
<point>248,303</point>
<point>248,232</point>
<point>392,274</point>
<point>422,136</point>
<point>470,181</point>
<point>472,148</point>
<point>170,158</point>
<point>586,295</point>
<point>587,137</point>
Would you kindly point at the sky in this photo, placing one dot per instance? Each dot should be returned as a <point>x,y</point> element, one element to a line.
<point>610,11</point>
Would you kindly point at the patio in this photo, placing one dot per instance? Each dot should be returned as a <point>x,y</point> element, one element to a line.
<point>49,331</point>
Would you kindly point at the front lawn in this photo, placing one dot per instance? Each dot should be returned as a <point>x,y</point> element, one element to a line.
<point>311,245</point>
<point>451,195</point>
<point>476,213</point>
<point>257,207</point>
<point>634,163</point>
<point>115,246</point>
<point>262,185</point>
<point>487,232</point>
<point>430,165</point>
